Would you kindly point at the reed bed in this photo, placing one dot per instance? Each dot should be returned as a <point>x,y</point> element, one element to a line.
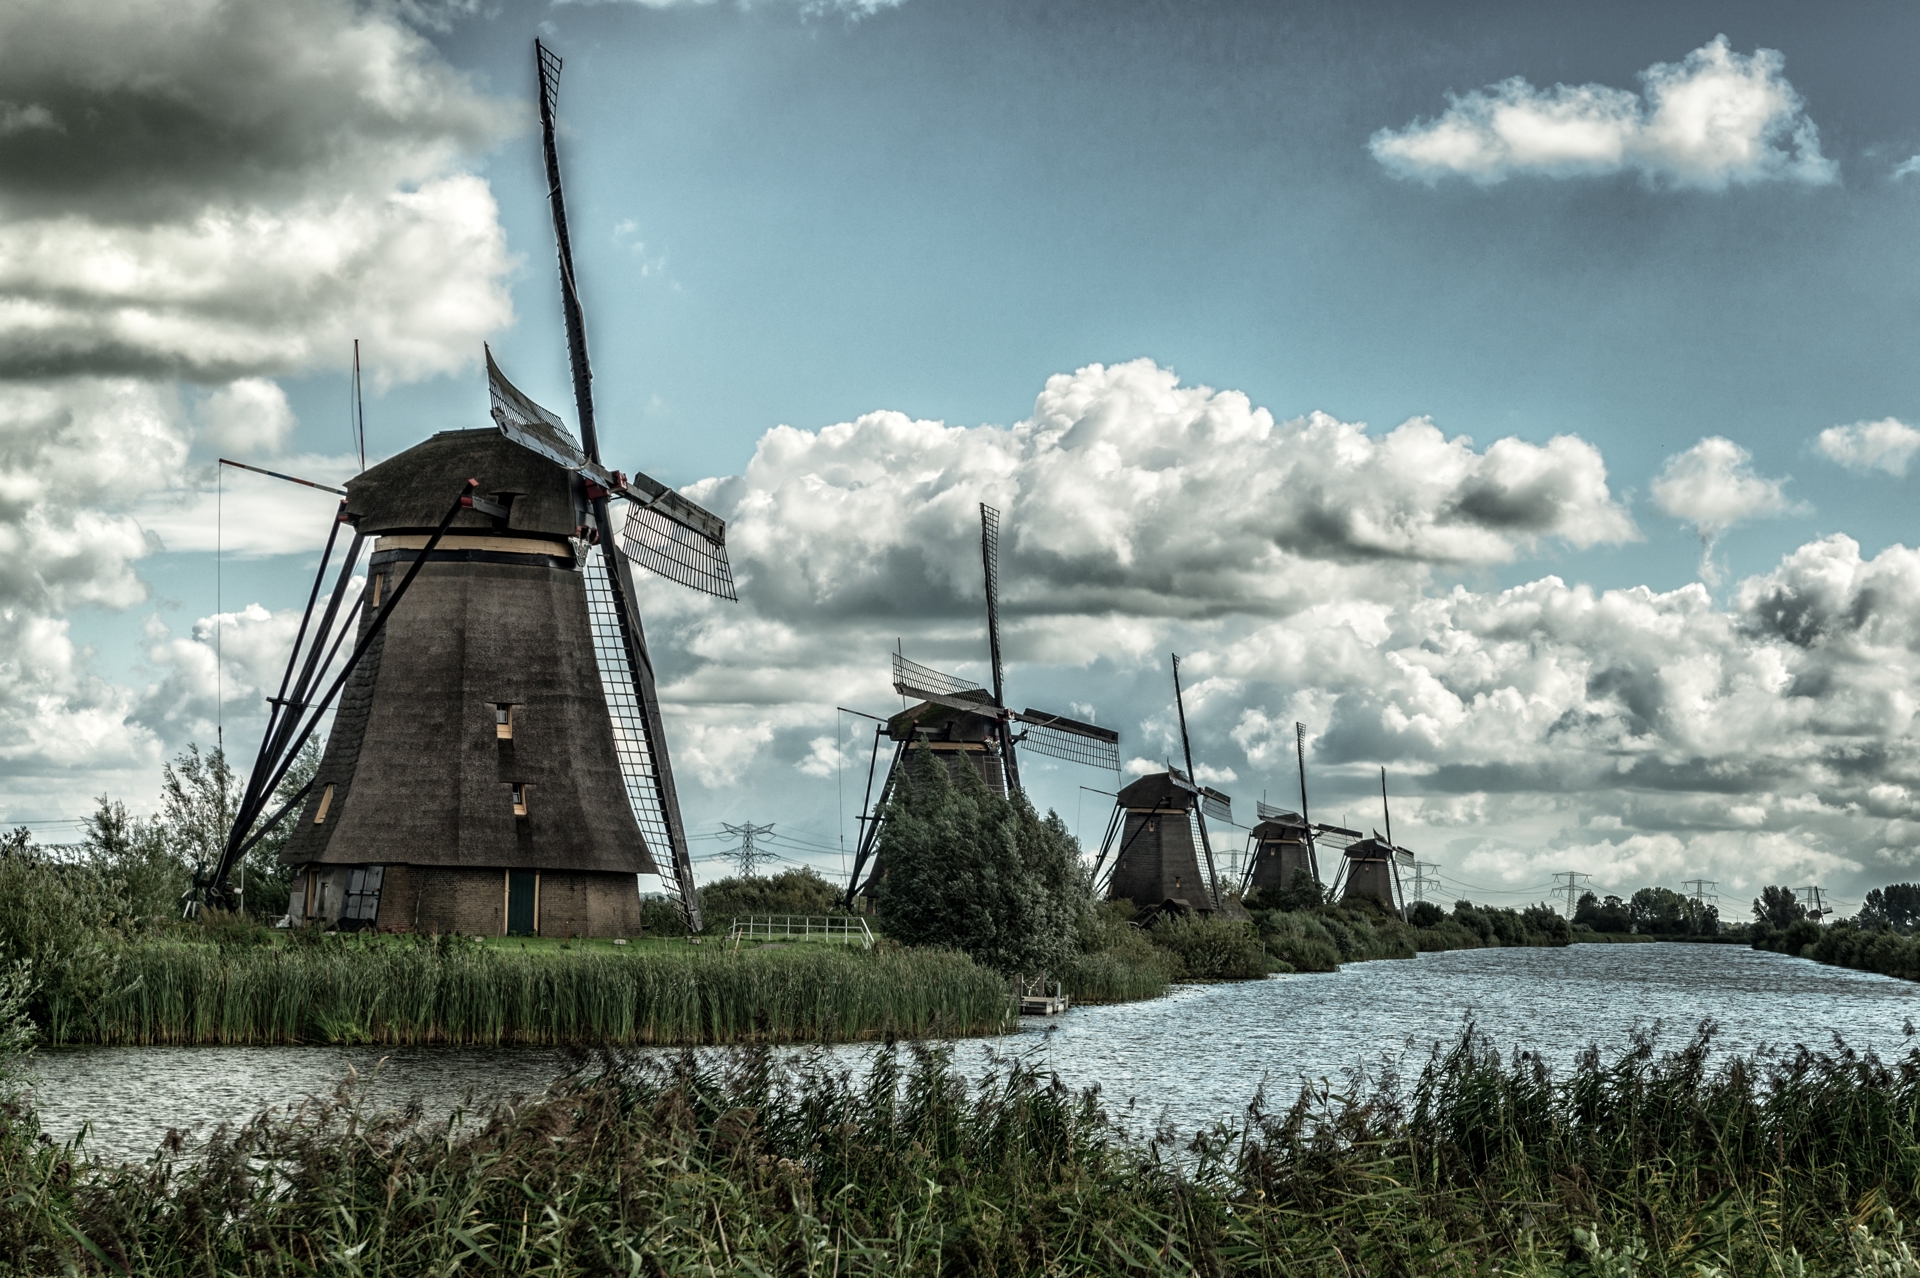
<point>1639,1164</point>
<point>384,992</point>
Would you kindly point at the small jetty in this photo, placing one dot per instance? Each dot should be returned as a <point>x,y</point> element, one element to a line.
<point>1035,998</point>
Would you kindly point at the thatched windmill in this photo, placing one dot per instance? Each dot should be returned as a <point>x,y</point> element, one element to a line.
<point>967,726</point>
<point>1157,837</point>
<point>498,761</point>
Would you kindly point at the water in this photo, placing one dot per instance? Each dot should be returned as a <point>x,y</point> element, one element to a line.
<point>1188,1059</point>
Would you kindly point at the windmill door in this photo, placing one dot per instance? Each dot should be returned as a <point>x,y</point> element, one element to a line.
<point>523,902</point>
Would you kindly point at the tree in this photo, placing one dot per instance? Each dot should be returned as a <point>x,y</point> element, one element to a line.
<point>1612,915</point>
<point>133,854</point>
<point>1778,906</point>
<point>1660,911</point>
<point>199,798</point>
<point>967,869</point>
<point>1895,907</point>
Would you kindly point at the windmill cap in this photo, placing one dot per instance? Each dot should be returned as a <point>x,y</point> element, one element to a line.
<point>410,491</point>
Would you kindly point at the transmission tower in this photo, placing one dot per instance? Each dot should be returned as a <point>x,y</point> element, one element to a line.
<point>1426,874</point>
<point>746,856</point>
<point>1568,885</point>
<point>1703,890</point>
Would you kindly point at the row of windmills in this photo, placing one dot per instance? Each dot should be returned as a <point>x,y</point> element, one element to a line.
<point>497,761</point>
<point>1157,852</point>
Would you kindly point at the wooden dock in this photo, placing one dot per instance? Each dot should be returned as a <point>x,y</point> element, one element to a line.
<point>1043,1004</point>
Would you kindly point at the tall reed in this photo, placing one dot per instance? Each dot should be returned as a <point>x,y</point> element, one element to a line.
<point>451,992</point>
<point>1638,1164</point>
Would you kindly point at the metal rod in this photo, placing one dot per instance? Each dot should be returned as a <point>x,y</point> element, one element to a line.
<point>291,479</point>
<point>1300,749</point>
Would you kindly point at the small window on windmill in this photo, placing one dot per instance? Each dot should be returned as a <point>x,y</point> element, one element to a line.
<point>520,798</point>
<point>362,901</point>
<point>326,801</point>
<point>379,580</point>
<point>503,720</point>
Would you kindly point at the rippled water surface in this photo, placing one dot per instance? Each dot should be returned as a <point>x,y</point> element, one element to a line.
<point>1189,1058</point>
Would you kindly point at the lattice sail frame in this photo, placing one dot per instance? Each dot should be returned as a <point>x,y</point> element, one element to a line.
<point>911,679</point>
<point>632,746</point>
<point>1071,740</point>
<point>672,550</point>
<point>1268,812</point>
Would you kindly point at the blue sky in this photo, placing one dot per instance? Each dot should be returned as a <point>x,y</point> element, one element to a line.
<point>798,215</point>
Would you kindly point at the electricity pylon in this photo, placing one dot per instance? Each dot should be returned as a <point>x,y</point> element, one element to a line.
<point>1569,886</point>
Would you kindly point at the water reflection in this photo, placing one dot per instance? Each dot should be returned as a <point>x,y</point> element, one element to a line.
<point>1190,1058</point>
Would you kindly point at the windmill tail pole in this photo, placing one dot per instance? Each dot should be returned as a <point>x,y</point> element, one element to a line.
<point>216,888</point>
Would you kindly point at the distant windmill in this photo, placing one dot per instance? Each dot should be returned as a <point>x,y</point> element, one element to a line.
<point>1157,837</point>
<point>1281,845</point>
<point>498,762</point>
<point>965,725</point>
<point>1371,867</point>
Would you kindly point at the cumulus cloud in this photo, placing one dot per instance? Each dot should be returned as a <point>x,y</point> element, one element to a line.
<point>1713,119</point>
<point>1128,493</point>
<point>248,416</point>
<point>1888,444</point>
<point>219,192</point>
<point>1302,569</point>
<point>232,190</point>
<point>1713,487</point>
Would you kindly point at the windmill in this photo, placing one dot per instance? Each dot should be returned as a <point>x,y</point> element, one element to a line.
<point>1281,845</point>
<point>965,725</point>
<point>1157,837</point>
<point>498,761</point>
<point>1370,867</point>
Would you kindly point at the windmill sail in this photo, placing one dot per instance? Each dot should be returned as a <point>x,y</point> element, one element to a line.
<point>911,679</point>
<point>663,536</point>
<point>1069,739</point>
<point>633,702</point>
<point>664,533</point>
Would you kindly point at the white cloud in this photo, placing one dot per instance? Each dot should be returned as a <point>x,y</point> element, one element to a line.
<point>1712,486</point>
<point>1127,492</point>
<point>1716,118</point>
<point>1888,444</point>
<point>248,416</point>
<point>225,191</point>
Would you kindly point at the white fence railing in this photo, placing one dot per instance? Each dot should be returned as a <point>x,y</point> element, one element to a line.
<point>840,929</point>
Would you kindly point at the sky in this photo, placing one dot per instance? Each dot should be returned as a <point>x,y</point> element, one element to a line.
<point>1516,395</point>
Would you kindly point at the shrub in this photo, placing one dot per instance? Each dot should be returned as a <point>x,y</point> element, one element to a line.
<point>1211,948</point>
<point>801,891</point>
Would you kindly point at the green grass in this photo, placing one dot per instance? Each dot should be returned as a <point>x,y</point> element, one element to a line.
<point>1631,1164</point>
<point>394,991</point>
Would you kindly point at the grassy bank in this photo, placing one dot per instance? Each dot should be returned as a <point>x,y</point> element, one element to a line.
<point>1879,950</point>
<point>449,990</point>
<point>1638,1165</point>
<point>1119,961</point>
